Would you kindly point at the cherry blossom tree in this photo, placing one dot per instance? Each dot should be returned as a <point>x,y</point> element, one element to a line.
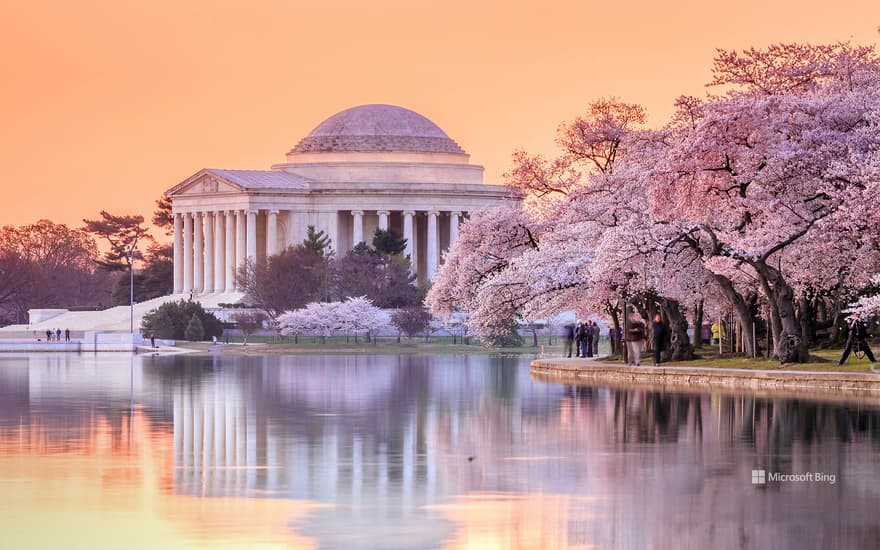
<point>327,318</point>
<point>771,163</point>
<point>867,306</point>
<point>360,315</point>
<point>727,206</point>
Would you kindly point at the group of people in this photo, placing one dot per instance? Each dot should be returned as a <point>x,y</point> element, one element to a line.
<point>583,339</point>
<point>56,335</point>
<point>586,337</point>
<point>637,335</point>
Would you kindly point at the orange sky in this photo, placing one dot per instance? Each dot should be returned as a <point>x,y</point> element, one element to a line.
<point>107,103</point>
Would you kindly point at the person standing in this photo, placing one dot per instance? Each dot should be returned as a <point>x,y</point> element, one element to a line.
<point>579,340</point>
<point>717,332</point>
<point>635,340</point>
<point>597,333</point>
<point>569,338</point>
<point>48,335</point>
<point>67,335</point>
<point>587,340</point>
<point>858,336</point>
<point>659,332</point>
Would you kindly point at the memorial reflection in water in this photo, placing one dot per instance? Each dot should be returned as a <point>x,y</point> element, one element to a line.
<point>410,451</point>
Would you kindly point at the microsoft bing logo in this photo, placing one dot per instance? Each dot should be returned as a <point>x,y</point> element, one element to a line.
<point>759,477</point>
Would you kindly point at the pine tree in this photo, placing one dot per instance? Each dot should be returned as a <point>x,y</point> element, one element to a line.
<point>388,242</point>
<point>317,241</point>
<point>195,331</point>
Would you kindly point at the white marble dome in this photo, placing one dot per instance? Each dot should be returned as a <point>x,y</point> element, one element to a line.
<point>375,128</point>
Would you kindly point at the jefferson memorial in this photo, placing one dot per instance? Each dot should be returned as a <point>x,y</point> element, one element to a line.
<point>368,167</point>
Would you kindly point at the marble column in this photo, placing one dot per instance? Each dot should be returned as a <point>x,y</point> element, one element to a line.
<point>199,253</point>
<point>383,219</point>
<point>357,233</point>
<point>433,248</point>
<point>409,235</point>
<point>208,222</point>
<point>178,254</point>
<point>272,233</point>
<point>292,229</point>
<point>252,235</point>
<point>454,218</point>
<point>219,252</point>
<point>240,241</point>
<point>231,257</point>
<point>187,253</point>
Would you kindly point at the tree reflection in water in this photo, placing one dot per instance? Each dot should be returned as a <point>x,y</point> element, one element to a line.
<point>416,451</point>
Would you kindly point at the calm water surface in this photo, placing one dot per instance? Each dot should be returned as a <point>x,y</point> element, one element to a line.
<point>331,451</point>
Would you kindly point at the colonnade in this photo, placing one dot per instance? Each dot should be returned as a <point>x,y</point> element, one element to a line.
<point>210,245</point>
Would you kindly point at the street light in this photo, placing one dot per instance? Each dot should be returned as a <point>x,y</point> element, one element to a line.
<point>130,256</point>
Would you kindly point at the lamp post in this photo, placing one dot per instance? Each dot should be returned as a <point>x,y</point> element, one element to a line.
<point>131,286</point>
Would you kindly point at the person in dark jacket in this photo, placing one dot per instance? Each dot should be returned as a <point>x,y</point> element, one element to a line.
<point>858,339</point>
<point>635,339</point>
<point>659,333</point>
<point>588,339</point>
<point>579,340</point>
<point>569,338</point>
<point>597,332</point>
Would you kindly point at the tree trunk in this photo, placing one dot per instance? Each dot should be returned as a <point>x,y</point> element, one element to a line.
<point>788,344</point>
<point>680,348</point>
<point>697,340</point>
<point>648,314</point>
<point>742,310</point>
<point>804,319</point>
<point>613,310</point>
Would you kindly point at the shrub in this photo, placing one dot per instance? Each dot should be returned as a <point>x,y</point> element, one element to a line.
<point>172,319</point>
<point>411,320</point>
<point>248,322</point>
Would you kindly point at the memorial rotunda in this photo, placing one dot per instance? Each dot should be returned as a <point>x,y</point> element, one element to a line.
<point>368,167</point>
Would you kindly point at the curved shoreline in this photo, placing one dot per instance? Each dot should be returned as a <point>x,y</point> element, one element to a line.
<point>792,382</point>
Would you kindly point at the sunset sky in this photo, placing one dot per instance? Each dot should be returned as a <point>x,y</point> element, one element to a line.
<point>105,104</point>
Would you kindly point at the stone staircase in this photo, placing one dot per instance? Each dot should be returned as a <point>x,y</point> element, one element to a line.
<point>114,319</point>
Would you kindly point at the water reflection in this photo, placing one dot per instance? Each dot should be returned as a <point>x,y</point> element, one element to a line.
<point>415,452</point>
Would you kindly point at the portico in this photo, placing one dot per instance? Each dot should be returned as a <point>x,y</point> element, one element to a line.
<point>370,167</point>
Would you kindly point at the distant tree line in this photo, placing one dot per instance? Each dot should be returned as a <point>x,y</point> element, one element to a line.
<point>46,265</point>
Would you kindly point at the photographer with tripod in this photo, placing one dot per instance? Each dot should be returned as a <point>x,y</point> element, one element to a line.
<point>857,341</point>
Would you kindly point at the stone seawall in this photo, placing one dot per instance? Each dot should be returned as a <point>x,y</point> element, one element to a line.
<point>91,341</point>
<point>781,382</point>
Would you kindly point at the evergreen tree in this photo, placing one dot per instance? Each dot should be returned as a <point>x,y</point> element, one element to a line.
<point>123,234</point>
<point>388,242</point>
<point>317,241</point>
<point>195,331</point>
<point>163,216</point>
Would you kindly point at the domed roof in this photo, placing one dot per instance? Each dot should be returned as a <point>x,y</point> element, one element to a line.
<point>377,128</point>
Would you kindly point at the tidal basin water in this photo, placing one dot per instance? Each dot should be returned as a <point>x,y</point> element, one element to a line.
<point>342,451</point>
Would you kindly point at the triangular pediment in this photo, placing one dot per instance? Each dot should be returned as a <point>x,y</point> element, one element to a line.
<point>204,182</point>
